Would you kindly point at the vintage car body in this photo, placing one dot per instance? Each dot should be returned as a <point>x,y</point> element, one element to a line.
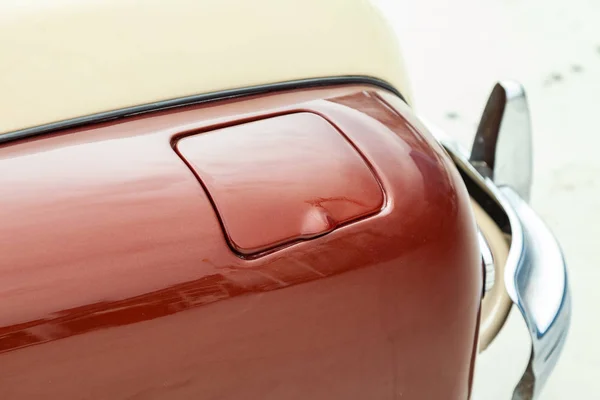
<point>197,212</point>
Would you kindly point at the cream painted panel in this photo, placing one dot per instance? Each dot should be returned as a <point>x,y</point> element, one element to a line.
<point>62,59</point>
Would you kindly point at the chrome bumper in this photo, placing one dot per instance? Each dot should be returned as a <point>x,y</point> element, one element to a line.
<point>498,175</point>
<point>535,276</point>
<point>536,281</point>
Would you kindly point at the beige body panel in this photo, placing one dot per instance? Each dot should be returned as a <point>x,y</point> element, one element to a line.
<point>496,304</point>
<point>63,59</point>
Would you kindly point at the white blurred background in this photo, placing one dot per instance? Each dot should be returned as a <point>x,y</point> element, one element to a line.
<point>455,50</point>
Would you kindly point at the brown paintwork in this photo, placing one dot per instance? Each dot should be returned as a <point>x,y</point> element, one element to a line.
<point>117,281</point>
<point>305,187</point>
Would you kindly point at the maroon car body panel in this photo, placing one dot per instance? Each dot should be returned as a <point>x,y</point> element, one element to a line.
<point>296,169</point>
<point>118,281</point>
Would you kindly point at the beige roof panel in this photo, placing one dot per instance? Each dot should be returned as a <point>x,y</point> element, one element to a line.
<point>63,59</point>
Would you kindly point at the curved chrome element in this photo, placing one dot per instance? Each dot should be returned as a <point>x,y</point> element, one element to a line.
<point>537,278</point>
<point>535,272</point>
<point>488,262</point>
<point>502,146</point>
<point>536,281</point>
<point>539,290</point>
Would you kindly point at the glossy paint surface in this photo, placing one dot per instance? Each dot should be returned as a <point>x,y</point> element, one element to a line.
<point>294,171</point>
<point>117,281</point>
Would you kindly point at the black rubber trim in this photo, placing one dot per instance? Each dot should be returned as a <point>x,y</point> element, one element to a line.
<point>489,205</point>
<point>195,99</point>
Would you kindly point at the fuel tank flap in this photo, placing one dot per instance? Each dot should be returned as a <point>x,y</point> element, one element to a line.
<point>282,179</point>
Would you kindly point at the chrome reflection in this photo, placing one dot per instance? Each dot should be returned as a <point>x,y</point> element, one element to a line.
<point>487,260</point>
<point>502,148</point>
<point>535,275</point>
<point>541,289</point>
